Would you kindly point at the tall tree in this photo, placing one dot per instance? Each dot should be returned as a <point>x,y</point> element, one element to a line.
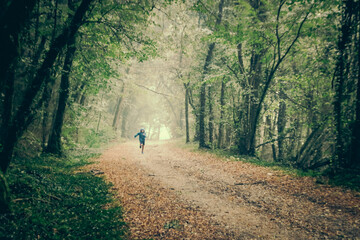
<point>187,127</point>
<point>117,108</point>
<point>280,53</point>
<point>355,150</point>
<point>222,113</point>
<point>54,143</point>
<point>25,113</point>
<point>341,75</point>
<point>209,56</point>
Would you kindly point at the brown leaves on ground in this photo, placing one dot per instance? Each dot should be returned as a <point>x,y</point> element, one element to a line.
<point>151,210</point>
<point>172,193</point>
<point>318,211</point>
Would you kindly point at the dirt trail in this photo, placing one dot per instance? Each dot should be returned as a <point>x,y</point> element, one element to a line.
<point>172,193</point>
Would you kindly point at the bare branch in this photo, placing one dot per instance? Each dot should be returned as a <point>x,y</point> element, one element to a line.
<point>207,9</point>
<point>277,28</point>
<point>298,33</point>
<point>273,140</point>
<point>232,70</point>
<point>164,94</point>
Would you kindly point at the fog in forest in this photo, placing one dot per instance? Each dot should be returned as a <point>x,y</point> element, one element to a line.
<point>153,95</point>
<point>238,86</point>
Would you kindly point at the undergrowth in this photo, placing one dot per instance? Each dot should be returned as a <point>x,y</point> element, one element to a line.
<point>53,199</point>
<point>349,178</point>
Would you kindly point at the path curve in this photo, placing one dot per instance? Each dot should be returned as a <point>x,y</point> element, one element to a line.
<point>173,193</point>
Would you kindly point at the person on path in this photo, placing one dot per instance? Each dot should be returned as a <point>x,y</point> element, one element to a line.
<point>142,136</point>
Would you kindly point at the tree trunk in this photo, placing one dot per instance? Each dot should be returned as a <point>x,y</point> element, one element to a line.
<point>222,113</point>
<point>98,124</point>
<point>25,113</point>
<point>124,122</point>
<point>355,143</point>
<point>313,135</point>
<point>197,128</point>
<point>247,111</point>
<point>78,92</point>
<point>228,136</point>
<point>208,59</point>
<point>202,113</point>
<point>344,39</point>
<point>271,135</point>
<point>211,118</point>
<point>281,123</point>
<point>278,59</point>
<point>12,20</point>
<point>246,116</point>
<point>202,143</point>
<point>117,110</point>
<point>54,143</point>
<point>187,128</point>
<point>47,93</point>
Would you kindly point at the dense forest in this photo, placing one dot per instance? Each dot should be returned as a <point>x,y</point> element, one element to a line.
<point>275,79</point>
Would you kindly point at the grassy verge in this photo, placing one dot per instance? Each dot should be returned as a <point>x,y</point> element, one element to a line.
<point>348,178</point>
<point>53,199</point>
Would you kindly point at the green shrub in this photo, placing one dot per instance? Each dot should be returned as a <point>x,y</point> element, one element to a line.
<point>52,199</point>
<point>349,178</point>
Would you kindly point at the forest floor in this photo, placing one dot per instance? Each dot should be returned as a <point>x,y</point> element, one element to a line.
<point>175,193</point>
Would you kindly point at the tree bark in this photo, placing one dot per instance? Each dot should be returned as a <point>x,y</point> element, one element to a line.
<point>117,110</point>
<point>340,78</point>
<point>47,93</point>
<point>211,117</point>
<point>12,21</point>
<point>222,113</point>
<point>281,123</point>
<point>278,59</point>
<point>54,144</point>
<point>271,135</point>
<point>23,116</point>
<point>187,128</point>
<point>209,56</point>
<point>13,18</point>
<point>124,122</point>
<point>202,113</point>
<point>355,143</point>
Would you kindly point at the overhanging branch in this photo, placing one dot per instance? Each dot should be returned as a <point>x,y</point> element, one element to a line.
<point>160,93</point>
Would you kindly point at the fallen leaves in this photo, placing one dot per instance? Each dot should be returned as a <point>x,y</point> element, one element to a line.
<point>155,209</point>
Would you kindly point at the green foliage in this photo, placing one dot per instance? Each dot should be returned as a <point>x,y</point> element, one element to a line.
<point>52,199</point>
<point>95,139</point>
<point>232,155</point>
<point>173,224</point>
<point>349,178</point>
<point>4,197</point>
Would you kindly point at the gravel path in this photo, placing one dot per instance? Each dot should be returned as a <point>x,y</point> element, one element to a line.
<point>173,193</point>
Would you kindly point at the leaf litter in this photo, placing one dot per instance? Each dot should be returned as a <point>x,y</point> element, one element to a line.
<point>172,193</point>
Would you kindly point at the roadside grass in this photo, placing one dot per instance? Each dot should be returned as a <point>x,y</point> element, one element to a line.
<point>349,179</point>
<point>52,198</point>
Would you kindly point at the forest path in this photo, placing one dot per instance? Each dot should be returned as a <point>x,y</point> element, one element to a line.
<point>174,193</point>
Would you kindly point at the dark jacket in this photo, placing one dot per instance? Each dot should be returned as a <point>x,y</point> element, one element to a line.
<point>142,136</point>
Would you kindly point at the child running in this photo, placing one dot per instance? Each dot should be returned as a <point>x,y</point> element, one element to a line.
<point>142,137</point>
